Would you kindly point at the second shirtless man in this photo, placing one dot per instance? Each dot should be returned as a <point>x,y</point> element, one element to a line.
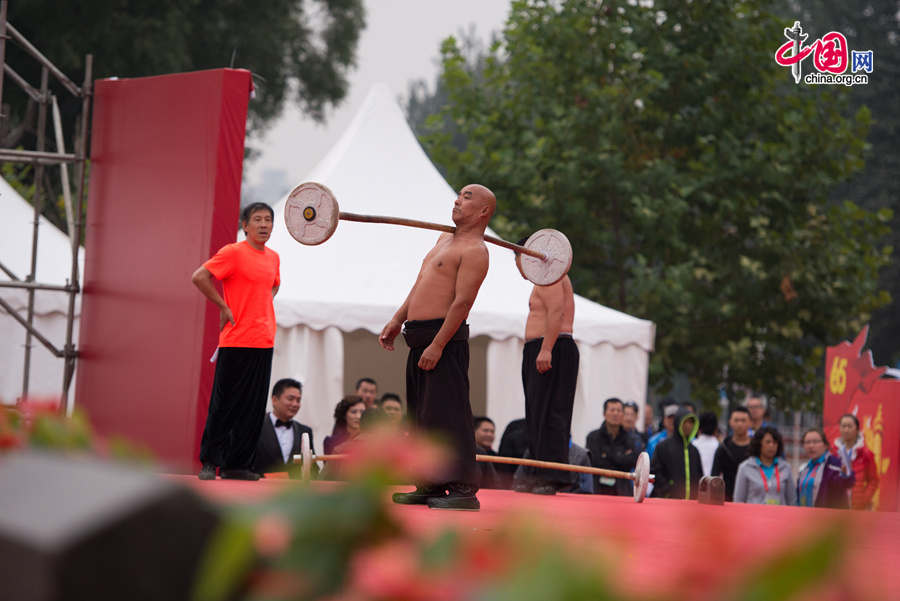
<point>549,374</point>
<point>437,369</point>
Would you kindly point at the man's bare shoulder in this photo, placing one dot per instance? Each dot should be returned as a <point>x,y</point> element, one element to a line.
<point>558,291</point>
<point>443,239</point>
<point>551,289</point>
<point>474,250</point>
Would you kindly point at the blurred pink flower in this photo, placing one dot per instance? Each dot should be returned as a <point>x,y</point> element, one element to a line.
<point>407,456</point>
<point>272,535</point>
<point>33,408</point>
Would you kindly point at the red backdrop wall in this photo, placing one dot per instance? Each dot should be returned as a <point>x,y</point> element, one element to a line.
<point>166,160</point>
<point>854,385</point>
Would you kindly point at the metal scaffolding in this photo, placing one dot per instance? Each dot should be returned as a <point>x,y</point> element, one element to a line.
<point>40,158</point>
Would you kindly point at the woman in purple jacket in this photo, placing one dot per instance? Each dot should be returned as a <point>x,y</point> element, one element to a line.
<point>824,481</point>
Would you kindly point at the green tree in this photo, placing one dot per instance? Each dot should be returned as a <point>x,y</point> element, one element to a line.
<point>298,50</point>
<point>422,102</point>
<point>871,25</point>
<point>691,174</point>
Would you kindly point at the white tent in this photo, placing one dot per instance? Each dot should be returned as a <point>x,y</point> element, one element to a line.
<point>54,264</point>
<point>357,279</point>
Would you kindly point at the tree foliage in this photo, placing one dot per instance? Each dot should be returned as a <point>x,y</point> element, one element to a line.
<point>298,50</point>
<point>692,175</point>
<point>871,25</point>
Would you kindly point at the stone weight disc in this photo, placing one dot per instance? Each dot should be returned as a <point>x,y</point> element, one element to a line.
<point>641,477</point>
<point>311,213</point>
<point>558,251</point>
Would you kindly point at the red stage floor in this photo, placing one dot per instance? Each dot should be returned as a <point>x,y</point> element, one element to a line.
<point>662,543</point>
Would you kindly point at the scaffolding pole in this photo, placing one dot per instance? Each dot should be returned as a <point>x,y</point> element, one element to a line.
<point>3,7</point>
<point>40,157</point>
<point>38,208</point>
<point>71,354</point>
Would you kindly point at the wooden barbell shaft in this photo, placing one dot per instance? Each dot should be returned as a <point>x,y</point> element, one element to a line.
<point>426,225</point>
<point>597,471</point>
<point>552,465</point>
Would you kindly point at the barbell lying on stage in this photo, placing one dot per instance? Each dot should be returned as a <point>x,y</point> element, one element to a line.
<point>641,474</point>
<point>311,215</point>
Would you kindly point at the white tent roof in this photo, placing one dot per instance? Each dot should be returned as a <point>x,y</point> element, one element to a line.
<point>358,278</point>
<point>54,260</point>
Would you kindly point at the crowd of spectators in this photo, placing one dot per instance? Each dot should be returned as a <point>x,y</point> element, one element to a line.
<point>683,446</point>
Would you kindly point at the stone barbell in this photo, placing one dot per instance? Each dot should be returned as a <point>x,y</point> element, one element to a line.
<point>641,475</point>
<point>311,214</point>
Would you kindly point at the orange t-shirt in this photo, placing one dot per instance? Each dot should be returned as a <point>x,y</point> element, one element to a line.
<point>248,277</point>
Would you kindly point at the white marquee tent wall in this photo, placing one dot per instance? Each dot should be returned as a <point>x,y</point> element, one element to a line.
<point>54,263</point>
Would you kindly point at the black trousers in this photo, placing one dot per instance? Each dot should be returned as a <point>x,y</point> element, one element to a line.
<point>438,400</point>
<point>549,399</point>
<point>237,407</point>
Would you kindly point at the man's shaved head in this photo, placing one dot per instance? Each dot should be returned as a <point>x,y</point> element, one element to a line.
<point>487,196</point>
<point>475,204</point>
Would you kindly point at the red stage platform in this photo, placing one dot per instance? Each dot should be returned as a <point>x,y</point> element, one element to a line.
<point>660,543</point>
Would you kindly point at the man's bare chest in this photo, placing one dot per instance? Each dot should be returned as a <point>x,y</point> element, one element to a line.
<point>444,262</point>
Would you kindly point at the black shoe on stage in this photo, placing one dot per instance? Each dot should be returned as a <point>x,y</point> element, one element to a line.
<point>523,485</point>
<point>239,475</point>
<point>456,502</point>
<point>208,472</point>
<point>544,488</point>
<point>420,496</point>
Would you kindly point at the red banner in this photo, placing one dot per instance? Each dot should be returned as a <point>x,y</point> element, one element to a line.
<point>166,162</point>
<point>854,385</point>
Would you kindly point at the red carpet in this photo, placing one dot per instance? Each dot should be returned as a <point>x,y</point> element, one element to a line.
<point>660,543</point>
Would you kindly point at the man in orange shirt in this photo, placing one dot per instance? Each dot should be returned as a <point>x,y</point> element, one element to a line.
<point>249,273</point>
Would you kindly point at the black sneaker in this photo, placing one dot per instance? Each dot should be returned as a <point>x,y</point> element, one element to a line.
<point>523,485</point>
<point>239,475</point>
<point>208,472</point>
<point>420,496</point>
<point>455,502</point>
<point>544,488</point>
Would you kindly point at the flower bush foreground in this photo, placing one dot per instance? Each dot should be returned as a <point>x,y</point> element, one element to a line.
<point>342,543</point>
<point>37,423</point>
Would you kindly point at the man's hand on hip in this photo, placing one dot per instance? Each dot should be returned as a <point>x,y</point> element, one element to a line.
<point>225,316</point>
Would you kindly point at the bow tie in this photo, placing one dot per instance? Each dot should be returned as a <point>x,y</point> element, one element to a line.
<point>283,424</point>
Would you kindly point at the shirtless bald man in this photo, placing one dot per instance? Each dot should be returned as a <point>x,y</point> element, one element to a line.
<point>549,374</point>
<point>437,369</point>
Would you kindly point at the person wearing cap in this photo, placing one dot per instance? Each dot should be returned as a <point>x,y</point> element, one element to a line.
<point>669,409</point>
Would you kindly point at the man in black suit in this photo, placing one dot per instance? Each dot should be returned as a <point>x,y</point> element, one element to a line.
<point>279,440</point>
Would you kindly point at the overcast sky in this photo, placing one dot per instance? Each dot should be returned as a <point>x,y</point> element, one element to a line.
<point>400,43</point>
